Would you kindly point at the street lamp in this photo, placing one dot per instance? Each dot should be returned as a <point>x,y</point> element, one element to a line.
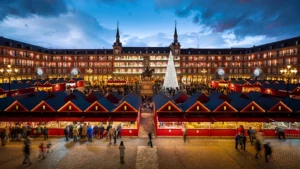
<point>8,72</point>
<point>288,72</point>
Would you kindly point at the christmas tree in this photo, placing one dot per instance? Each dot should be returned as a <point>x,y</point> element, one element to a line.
<point>170,80</point>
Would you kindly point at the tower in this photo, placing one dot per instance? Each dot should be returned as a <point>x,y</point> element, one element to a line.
<point>175,45</point>
<point>117,46</point>
<point>170,80</point>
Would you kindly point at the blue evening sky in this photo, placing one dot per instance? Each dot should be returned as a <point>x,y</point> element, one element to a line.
<point>200,23</point>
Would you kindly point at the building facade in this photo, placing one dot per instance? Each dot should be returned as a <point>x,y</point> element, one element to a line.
<point>127,63</point>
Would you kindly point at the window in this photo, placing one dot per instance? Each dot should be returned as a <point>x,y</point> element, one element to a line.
<point>294,60</point>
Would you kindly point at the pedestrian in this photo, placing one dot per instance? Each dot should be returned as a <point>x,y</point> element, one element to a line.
<point>42,150</point>
<point>115,136</point>
<point>110,135</point>
<point>4,137</point>
<point>38,132</point>
<point>45,132</point>
<point>27,142</point>
<point>107,130</point>
<point>241,130</point>
<point>184,131</point>
<point>150,140</point>
<point>251,134</point>
<point>101,131</point>
<point>119,130</point>
<point>84,130</point>
<point>90,133</point>
<point>257,148</point>
<point>75,133</point>
<point>280,132</point>
<point>67,132</point>
<point>49,145</point>
<point>237,140</point>
<point>28,130</point>
<point>243,140</point>
<point>122,152</point>
<point>268,151</point>
<point>96,130</point>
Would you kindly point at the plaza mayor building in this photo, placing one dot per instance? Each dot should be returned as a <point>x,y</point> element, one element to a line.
<point>127,63</point>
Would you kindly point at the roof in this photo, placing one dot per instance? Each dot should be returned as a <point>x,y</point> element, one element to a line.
<point>214,95</point>
<point>266,103</point>
<point>106,104</point>
<point>91,98</point>
<point>33,100</point>
<point>6,102</point>
<point>180,97</point>
<point>58,101</point>
<point>188,103</point>
<point>254,95</point>
<point>15,86</point>
<point>134,100</point>
<point>240,103</point>
<point>160,100</point>
<point>97,94</point>
<point>212,104</point>
<point>81,103</point>
<point>79,94</point>
<point>234,95</point>
<point>294,104</point>
<point>165,50</point>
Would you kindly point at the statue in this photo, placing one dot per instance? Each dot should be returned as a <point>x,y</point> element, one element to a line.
<point>147,73</point>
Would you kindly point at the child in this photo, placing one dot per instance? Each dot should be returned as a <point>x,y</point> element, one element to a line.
<point>42,150</point>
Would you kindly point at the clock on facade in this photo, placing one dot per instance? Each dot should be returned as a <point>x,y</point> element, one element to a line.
<point>256,72</point>
<point>74,72</point>
<point>39,71</point>
<point>221,72</point>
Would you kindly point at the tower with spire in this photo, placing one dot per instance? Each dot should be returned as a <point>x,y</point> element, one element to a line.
<point>117,46</point>
<point>175,45</point>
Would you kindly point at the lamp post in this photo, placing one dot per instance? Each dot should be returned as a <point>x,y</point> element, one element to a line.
<point>288,72</point>
<point>8,72</point>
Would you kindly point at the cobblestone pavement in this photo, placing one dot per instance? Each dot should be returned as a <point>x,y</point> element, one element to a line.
<point>172,153</point>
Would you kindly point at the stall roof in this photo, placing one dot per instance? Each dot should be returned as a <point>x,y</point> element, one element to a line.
<point>81,103</point>
<point>57,101</point>
<point>98,94</point>
<point>234,95</point>
<point>188,103</point>
<point>254,95</point>
<point>240,103</point>
<point>14,86</point>
<point>91,98</point>
<point>214,95</point>
<point>6,102</point>
<point>160,100</point>
<point>106,104</point>
<point>266,103</point>
<point>293,104</point>
<point>180,97</point>
<point>79,94</point>
<point>134,100</point>
<point>213,103</point>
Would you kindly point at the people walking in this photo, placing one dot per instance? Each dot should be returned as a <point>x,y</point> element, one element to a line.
<point>75,134</point>
<point>45,132</point>
<point>107,130</point>
<point>150,140</point>
<point>237,141</point>
<point>4,137</point>
<point>184,131</point>
<point>280,133</point>
<point>115,135</point>
<point>26,150</point>
<point>90,133</point>
<point>110,135</point>
<point>241,130</point>
<point>122,152</point>
<point>67,132</point>
<point>251,133</point>
<point>268,151</point>
<point>38,132</point>
<point>119,130</point>
<point>84,131</point>
<point>42,151</point>
<point>95,130</point>
<point>259,141</point>
<point>101,131</point>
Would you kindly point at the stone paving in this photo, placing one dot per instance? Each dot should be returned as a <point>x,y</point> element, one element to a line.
<point>172,153</point>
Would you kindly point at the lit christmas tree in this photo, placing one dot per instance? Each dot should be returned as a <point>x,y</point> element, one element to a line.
<point>170,80</point>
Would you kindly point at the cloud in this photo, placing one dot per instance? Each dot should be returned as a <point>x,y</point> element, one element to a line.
<point>28,8</point>
<point>244,17</point>
<point>71,30</point>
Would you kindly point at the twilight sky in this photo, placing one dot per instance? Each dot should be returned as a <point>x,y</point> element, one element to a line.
<point>200,23</point>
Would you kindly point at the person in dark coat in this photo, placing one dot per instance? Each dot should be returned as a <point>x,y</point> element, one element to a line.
<point>67,133</point>
<point>27,142</point>
<point>251,134</point>
<point>101,131</point>
<point>90,133</point>
<point>107,130</point>
<point>237,140</point>
<point>268,151</point>
<point>45,132</point>
<point>150,140</point>
<point>257,148</point>
<point>280,133</point>
<point>96,130</point>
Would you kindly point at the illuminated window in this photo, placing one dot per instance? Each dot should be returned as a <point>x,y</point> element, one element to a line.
<point>252,108</point>
<point>96,107</point>
<point>198,107</point>
<point>17,107</point>
<point>44,107</point>
<point>279,108</point>
<point>70,107</point>
<point>125,108</point>
<point>169,107</point>
<point>225,108</point>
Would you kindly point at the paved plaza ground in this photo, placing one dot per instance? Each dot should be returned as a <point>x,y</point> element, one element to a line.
<point>171,153</point>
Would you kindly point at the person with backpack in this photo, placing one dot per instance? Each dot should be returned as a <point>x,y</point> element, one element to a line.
<point>268,151</point>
